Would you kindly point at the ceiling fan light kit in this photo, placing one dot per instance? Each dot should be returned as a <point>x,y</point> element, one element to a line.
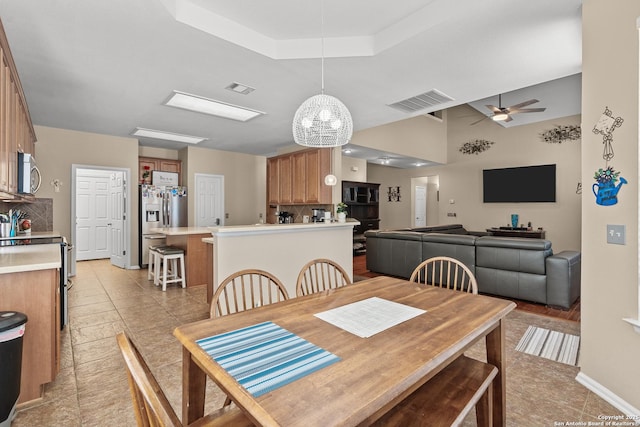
<point>503,114</point>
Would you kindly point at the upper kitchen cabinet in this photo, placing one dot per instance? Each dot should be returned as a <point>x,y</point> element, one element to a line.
<point>298,178</point>
<point>151,164</point>
<point>16,129</point>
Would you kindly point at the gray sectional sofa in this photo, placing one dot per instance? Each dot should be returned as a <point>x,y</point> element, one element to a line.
<point>520,268</point>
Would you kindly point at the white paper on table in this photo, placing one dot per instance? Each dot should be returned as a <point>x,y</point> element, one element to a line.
<point>370,316</point>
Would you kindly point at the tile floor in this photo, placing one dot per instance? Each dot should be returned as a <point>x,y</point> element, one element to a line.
<point>92,389</point>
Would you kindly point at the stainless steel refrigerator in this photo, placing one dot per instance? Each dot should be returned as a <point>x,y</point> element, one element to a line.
<point>159,207</point>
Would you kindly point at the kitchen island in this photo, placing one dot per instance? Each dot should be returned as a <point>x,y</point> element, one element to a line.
<point>280,249</point>
<point>189,239</point>
<point>29,283</point>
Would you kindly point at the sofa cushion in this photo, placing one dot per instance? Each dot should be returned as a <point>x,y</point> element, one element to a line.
<point>396,253</point>
<point>448,228</point>
<point>513,254</point>
<point>460,247</point>
<point>512,284</point>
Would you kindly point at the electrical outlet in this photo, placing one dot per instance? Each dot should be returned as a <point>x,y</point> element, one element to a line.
<point>226,215</point>
<point>616,234</point>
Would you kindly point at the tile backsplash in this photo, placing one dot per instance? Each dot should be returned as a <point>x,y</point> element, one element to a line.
<point>299,211</point>
<point>40,212</point>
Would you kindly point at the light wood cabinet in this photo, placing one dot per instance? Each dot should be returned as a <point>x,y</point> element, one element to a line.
<point>285,180</point>
<point>273,181</point>
<point>298,178</point>
<point>157,164</point>
<point>36,294</point>
<point>16,129</point>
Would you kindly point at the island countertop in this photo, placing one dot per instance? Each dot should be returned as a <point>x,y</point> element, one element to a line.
<point>280,249</point>
<point>279,228</point>
<point>21,258</point>
<point>180,231</point>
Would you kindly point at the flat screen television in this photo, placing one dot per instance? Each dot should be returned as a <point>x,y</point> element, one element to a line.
<point>526,184</point>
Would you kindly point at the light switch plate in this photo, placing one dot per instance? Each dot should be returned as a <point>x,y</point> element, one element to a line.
<point>616,234</point>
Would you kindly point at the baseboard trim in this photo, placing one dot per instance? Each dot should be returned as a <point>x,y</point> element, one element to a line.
<point>610,397</point>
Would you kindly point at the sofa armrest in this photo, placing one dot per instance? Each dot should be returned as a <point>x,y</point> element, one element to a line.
<point>563,278</point>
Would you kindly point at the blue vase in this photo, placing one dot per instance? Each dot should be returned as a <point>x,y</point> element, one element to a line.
<point>514,220</point>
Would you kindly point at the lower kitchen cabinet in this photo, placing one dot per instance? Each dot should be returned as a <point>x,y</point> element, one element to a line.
<point>36,294</point>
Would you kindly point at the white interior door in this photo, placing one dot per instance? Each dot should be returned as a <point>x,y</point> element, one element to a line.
<point>420,202</point>
<point>117,216</point>
<point>92,214</point>
<point>209,201</point>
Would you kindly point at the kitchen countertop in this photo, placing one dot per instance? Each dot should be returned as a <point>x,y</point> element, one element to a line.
<point>278,228</point>
<point>21,258</point>
<point>34,235</point>
<point>180,231</point>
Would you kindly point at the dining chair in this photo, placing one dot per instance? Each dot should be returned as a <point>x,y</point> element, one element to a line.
<point>445,272</point>
<point>319,275</point>
<point>246,289</point>
<point>465,383</point>
<point>150,404</point>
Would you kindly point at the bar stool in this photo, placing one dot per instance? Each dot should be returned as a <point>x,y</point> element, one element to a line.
<point>166,255</point>
<point>153,260</point>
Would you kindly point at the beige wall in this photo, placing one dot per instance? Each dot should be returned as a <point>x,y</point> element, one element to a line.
<point>245,177</point>
<point>423,137</point>
<point>58,149</point>
<point>460,180</point>
<point>610,349</point>
<point>348,172</point>
<point>160,153</point>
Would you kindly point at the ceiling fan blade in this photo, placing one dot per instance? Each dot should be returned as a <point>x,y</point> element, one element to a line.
<point>527,110</point>
<point>493,108</point>
<point>523,104</point>
<point>508,119</point>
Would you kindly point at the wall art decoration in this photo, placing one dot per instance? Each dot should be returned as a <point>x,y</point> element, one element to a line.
<point>560,134</point>
<point>394,194</point>
<point>607,186</point>
<point>476,146</point>
<point>605,127</point>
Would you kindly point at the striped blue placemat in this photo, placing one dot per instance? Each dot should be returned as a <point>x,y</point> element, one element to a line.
<point>265,356</point>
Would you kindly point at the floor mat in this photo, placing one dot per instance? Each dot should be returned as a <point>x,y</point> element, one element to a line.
<point>551,345</point>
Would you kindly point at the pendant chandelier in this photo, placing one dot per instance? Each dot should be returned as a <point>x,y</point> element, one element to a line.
<point>322,120</point>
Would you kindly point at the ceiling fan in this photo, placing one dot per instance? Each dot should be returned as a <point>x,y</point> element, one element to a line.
<point>503,114</point>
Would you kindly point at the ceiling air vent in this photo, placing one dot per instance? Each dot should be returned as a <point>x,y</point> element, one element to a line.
<point>420,102</point>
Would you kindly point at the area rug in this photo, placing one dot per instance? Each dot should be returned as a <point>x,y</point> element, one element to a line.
<point>551,345</point>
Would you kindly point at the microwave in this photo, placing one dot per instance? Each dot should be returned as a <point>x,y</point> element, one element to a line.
<point>26,163</point>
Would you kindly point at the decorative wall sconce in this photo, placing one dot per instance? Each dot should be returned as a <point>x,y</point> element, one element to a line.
<point>476,147</point>
<point>559,134</point>
<point>56,184</point>
<point>394,194</point>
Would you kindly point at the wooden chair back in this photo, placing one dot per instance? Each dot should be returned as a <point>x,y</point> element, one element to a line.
<point>319,275</point>
<point>150,404</point>
<point>245,290</point>
<point>445,272</point>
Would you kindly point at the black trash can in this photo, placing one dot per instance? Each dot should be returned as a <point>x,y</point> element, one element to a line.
<point>12,325</point>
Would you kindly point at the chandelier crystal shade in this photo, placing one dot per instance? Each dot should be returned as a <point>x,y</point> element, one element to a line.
<point>322,121</point>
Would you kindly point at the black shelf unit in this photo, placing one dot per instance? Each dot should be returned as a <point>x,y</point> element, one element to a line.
<point>362,200</point>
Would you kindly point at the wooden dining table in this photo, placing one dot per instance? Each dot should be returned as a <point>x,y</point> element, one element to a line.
<point>373,374</point>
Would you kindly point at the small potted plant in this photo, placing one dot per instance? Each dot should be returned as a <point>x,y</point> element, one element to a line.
<point>341,210</point>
